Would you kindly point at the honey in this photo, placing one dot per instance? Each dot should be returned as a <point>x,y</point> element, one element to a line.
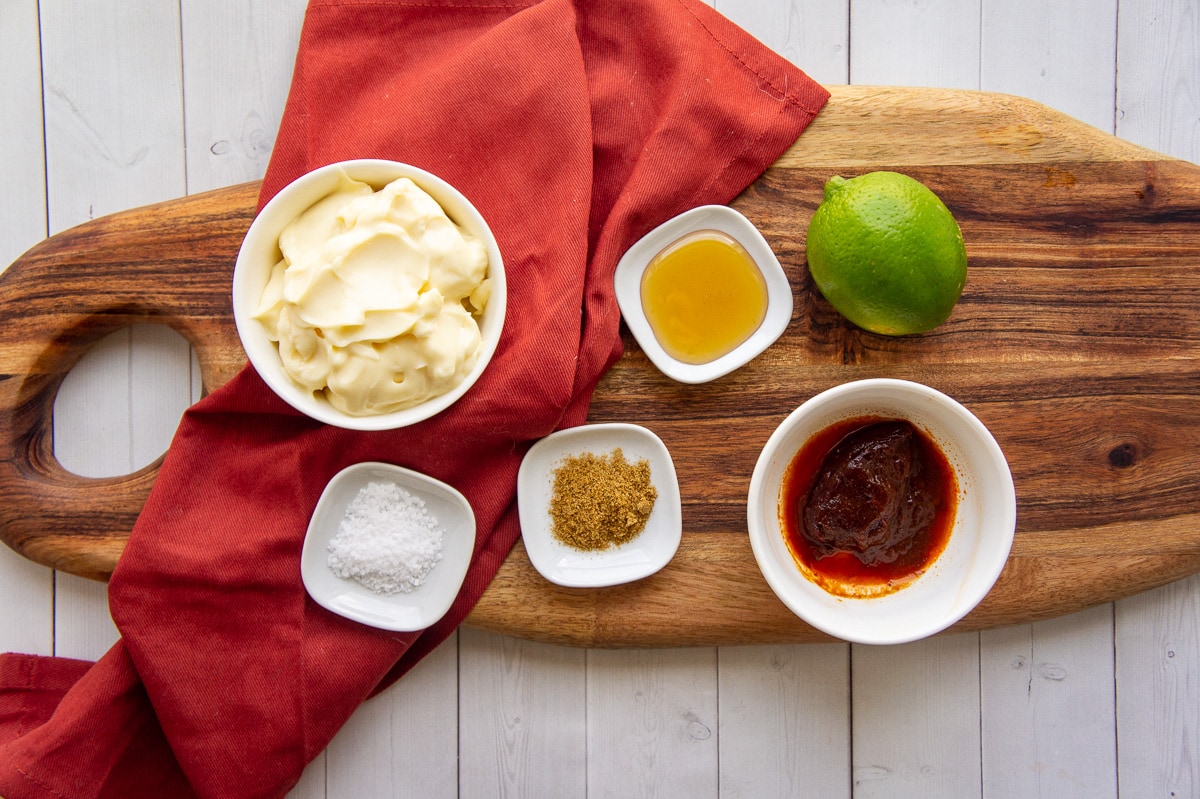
<point>703,296</point>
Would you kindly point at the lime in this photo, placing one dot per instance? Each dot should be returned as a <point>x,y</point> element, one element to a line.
<point>887,253</point>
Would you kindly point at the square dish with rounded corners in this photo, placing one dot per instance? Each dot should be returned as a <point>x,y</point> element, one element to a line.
<point>633,560</point>
<point>628,286</point>
<point>402,612</point>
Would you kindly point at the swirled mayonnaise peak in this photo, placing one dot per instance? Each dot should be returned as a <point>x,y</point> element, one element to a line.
<point>375,299</point>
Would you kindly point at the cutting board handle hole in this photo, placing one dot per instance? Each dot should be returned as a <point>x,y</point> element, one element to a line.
<point>119,406</point>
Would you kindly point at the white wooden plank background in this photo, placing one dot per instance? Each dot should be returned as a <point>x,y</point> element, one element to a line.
<point>111,104</point>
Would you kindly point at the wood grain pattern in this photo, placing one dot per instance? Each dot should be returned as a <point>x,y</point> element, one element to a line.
<point>1077,342</point>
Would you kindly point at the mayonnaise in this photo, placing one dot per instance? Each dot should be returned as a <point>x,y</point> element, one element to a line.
<point>375,299</point>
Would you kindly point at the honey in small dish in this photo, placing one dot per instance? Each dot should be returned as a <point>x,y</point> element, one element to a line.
<point>703,296</point>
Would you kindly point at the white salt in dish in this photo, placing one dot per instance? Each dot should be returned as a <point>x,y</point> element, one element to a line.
<point>387,540</point>
<point>415,606</point>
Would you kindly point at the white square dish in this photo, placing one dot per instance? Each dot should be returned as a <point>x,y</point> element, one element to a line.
<point>723,219</point>
<point>633,560</point>
<point>401,612</point>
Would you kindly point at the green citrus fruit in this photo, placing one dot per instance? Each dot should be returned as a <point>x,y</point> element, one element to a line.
<point>887,253</point>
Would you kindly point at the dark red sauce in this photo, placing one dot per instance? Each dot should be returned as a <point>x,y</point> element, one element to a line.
<point>868,504</point>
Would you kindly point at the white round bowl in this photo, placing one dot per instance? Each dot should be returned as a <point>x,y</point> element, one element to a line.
<point>260,252</point>
<point>979,542</point>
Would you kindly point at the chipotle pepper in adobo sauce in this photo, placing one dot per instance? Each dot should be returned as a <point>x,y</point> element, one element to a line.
<point>868,504</point>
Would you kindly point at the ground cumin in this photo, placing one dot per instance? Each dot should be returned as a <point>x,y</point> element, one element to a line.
<point>600,501</point>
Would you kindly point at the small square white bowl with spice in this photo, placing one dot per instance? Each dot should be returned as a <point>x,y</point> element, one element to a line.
<point>388,546</point>
<point>703,294</point>
<point>599,505</point>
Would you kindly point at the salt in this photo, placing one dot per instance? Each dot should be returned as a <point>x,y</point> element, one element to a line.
<point>387,540</point>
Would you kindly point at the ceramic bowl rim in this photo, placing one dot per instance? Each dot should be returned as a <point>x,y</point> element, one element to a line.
<point>254,263</point>
<point>888,620</point>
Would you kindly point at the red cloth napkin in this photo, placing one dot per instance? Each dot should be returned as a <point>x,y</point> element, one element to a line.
<point>575,127</point>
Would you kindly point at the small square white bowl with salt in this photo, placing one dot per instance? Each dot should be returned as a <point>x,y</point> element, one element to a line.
<point>401,611</point>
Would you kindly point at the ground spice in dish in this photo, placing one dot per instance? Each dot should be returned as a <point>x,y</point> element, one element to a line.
<point>600,501</point>
<point>387,540</point>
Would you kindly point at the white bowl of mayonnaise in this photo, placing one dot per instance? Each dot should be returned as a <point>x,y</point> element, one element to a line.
<point>369,294</point>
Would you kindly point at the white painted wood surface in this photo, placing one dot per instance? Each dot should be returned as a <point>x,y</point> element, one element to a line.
<point>110,104</point>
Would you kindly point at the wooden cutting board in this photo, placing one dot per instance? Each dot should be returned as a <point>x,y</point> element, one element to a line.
<point>1077,341</point>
